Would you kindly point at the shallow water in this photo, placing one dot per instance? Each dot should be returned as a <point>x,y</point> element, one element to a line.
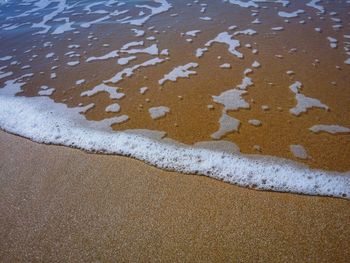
<point>273,79</point>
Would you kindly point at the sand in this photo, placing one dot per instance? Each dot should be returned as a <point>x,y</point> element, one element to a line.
<point>62,204</point>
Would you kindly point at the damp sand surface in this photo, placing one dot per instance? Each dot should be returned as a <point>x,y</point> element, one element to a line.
<point>61,204</point>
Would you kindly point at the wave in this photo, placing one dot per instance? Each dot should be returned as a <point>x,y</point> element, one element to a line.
<point>42,120</point>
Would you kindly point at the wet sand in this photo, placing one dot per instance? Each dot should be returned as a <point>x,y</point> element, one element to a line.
<point>64,205</point>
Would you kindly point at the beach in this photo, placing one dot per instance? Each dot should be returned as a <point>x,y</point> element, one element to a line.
<point>64,205</point>
<point>174,131</point>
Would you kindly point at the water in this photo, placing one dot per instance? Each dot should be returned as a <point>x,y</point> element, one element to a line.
<point>255,85</point>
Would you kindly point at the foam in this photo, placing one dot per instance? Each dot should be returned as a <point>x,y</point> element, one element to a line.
<point>298,151</point>
<point>314,4</point>
<point>164,6</point>
<point>73,63</point>
<point>226,38</point>
<point>192,33</point>
<point>30,118</point>
<point>228,124</point>
<point>254,122</point>
<point>225,65</point>
<point>130,71</point>
<point>125,61</point>
<point>137,32</point>
<point>179,72</point>
<point>112,91</point>
<point>278,28</point>
<point>232,99</point>
<point>158,112</point>
<point>67,26</point>
<point>291,14</point>
<point>205,18</point>
<point>46,91</point>
<point>256,64</point>
<point>151,50</point>
<point>80,81</point>
<point>200,52</point>
<point>112,54</point>
<point>247,32</point>
<point>333,43</point>
<point>304,103</point>
<point>246,83</point>
<point>5,74</point>
<point>5,58</point>
<point>50,55</point>
<point>333,129</point>
<point>61,6</point>
<point>115,107</point>
<point>244,4</point>
<point>143,90</point>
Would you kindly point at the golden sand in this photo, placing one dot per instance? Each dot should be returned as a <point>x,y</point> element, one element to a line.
<point>63,205</point>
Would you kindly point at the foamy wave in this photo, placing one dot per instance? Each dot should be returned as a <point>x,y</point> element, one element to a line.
<point>42,120</point>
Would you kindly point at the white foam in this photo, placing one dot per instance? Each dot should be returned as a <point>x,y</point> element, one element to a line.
<point>205,18</point>
<point>151,50</point>
<point>247,32</point>
<point>314,4</point>
<point>200,52</point>
<point>130,71</point>
<point>138,33</point>
<point>46,91</point>
<point>132,44</point>
<point>6,58</point>
<point>232,99</point>
<point>143,90</point>
<point>256,64</point>
<point>333,129</point>
<point>279,28</point>
<point>112,91</point>
<point>80,81</point>
<point>112,54</point>
<point>67,26</point>
<point>192,33</point>
<point>225,65</point>
<point>164,6</point>
<point>158,112</point>
<point>333,43</point>
<point>73,63</point>
<point>254,122</point>
<point>50,55</point>
<point>115,107</point>
<point>304,103</point>
<point>226,38</point>
<point>291,14</point>
<point>298,151</point>
<point>245,4</point>
<point>5,74</point>
<point>179,72</point>
<point>126,60</point>
<point>246,83</point>
<point>228,124</point>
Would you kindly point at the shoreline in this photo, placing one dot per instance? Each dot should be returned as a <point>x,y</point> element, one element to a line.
<point>65,204</point>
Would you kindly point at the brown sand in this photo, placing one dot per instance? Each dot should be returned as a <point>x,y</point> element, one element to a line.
<point>61,204</point>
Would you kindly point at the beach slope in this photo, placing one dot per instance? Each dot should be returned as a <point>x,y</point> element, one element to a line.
<point>62,204</point>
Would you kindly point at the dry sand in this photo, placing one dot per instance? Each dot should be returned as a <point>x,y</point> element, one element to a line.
<point>62,204</point>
